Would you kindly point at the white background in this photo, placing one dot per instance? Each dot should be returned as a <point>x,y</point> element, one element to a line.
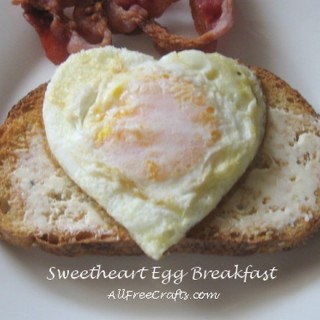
<point>280,35</point>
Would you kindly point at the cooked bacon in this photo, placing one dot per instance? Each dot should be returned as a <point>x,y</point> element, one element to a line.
<point>212,18</point>
<point>154,8</point>
<point>89,17</point>
<point>215,16</point>
<point>123,18</point>
<point>61,35</point>
<point>90,23</point>
<point>53,32</point>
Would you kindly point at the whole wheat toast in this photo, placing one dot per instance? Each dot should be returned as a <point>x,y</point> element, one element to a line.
<point>274,206</point>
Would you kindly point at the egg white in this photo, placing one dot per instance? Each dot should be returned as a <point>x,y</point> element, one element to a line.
<point>156,143</point>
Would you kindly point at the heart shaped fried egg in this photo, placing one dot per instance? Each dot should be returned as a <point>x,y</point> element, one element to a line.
<point>157,143</point>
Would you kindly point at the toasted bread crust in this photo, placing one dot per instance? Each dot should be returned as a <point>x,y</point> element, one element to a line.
<point>208,237</point>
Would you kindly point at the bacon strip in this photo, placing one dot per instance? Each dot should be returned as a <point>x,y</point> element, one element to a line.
<point>212,19</point>
<point>90,23</point>
<point>125,20</point>
<point>61,35</point>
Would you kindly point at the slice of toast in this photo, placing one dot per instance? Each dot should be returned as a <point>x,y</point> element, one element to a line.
<point>274,206</point>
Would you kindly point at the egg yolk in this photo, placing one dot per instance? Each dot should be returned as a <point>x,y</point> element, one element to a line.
<point>157,128</point>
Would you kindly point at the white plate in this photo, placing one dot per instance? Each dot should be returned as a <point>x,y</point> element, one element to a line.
<point>280,35</point>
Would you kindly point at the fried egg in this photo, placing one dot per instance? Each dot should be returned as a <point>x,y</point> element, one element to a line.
<point>157,143</point>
